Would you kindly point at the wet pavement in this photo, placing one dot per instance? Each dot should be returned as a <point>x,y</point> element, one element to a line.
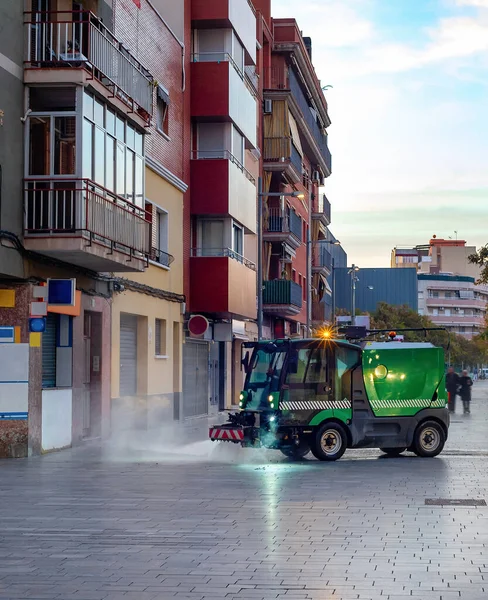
<point>124,521</point>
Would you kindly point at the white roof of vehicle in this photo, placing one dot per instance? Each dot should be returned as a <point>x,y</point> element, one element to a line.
<point>397,345</point>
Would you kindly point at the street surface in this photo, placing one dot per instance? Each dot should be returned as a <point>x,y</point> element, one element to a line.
<point>126,521</point>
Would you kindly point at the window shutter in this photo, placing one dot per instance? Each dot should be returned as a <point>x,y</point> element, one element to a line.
<point>49,352</point>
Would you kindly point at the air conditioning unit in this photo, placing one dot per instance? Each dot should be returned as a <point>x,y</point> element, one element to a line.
<point>268,106</point>
<point>295,328</point>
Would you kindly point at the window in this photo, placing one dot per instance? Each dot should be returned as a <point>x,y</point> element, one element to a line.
<point>448,294</point>
<point>304,289</point>
<point>294,275</point>
<point>162,111</point>
<point>160,231</point>
<point>112,151</point>
<point>211,237</point>
<point>160,337</point>
<point>238,146</point>
<point>212,140</point>
<point>237,239</point>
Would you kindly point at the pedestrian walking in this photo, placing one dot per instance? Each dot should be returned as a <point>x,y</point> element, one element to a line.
<point>465,384</point>
<point>452,385</point>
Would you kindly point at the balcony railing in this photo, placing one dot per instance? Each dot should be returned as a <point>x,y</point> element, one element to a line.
<point>80,39</point>
<point>282,291</point>
<point>284,78</point>
<point>67,208</point>
<point>283,221</point>
<point>323,207</point>
<point>222,155</point>
<point>222,252</point>
<point>280,149</point>
<point>321,257</point>
<point>162,258</point>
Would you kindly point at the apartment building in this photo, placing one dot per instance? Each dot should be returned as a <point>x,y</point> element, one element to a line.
<point>454,302</point>
<point>92,155</point>
<point>223,176</point>
<point>297,161</point>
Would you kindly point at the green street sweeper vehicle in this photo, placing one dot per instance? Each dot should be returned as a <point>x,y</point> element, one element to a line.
<point>325,395</point>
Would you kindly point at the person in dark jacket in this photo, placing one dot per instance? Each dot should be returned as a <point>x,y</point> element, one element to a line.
<point>465,383</point>
<point>452,385</point>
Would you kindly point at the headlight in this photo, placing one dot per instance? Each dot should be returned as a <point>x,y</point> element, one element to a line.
<point>270,398</point>
<point>240,404</point>
<point>272,419</point>
<point>241,397</point>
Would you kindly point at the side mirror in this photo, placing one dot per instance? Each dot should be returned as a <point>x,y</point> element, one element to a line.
<point>293,363</point>
<point>245,363</point>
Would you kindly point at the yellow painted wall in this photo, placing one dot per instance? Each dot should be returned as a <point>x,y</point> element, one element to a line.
<point>169,198</point>
<point>156,375</point>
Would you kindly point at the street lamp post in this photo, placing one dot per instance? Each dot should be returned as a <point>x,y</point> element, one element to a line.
<point>309,276</point>
<point>353,272</point>
<point>262,195</point>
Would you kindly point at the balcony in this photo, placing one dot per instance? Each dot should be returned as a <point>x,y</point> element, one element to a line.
<point>321,259</point>
<point>323,211</point>
<point>282,226</point>
<point>474,320</point>
<point>238,14</point>
<point>74,43</point>
<point>282,297</point>
<point>284,80</point>
<point>78,222</point>
<point>457,302</point>
<point>222,186</point>
<point>281,155</point>
<point>222,283</point>
<point>219,92</point>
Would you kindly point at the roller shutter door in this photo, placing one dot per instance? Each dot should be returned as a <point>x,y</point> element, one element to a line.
<point>195,379</point>
<point>128,355</point>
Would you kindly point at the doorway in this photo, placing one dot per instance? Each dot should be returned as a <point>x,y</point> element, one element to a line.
<point>92,384</point>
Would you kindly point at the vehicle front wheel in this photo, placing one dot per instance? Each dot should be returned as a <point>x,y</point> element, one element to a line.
<point>330,442</point>
<point>429,439</point>
<point>296,452</point>
<point>393,451</point>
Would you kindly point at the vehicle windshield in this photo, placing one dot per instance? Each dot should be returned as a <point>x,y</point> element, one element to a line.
<point>264,375</point>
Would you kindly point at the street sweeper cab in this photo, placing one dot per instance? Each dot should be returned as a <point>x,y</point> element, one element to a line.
<point>325,395</point>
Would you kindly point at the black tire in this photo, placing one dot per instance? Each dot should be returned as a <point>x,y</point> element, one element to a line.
<point>393,451</point>
<point>329,442</point>
<point>429,439</point>
<point>296,452</point>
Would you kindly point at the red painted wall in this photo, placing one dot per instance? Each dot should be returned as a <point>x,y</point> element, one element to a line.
<point>215,10</point>
<point>210,187</point>
<point>210,89</point>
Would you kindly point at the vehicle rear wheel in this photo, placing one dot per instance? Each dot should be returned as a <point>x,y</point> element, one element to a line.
<point>296,452</point>
<point>330,442</point>
<point>429,439</point>
<point>393,451</point>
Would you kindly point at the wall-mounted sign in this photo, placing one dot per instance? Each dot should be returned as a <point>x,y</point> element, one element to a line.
<point>198,325</point>
<point>61,292</point>
<point>37,325</point>
<point>7,335</point>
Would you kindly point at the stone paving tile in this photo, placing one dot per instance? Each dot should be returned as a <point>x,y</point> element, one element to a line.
<point>105,523</point>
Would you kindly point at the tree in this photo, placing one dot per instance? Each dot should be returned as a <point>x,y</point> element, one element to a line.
<point>481,258</point>
<point>461,351</point>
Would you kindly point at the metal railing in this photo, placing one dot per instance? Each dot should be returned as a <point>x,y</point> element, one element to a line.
<point>323,207</point>
<point>79,38</point>
<point>282,291</point>
<point>283,221</point>
<point>70,207</point>
<point>162,258</point>
<point>222,252</point>
<point>217,57</point>
<point>221,155</point>
<point>321,257</point>
<point>281,149</point>
<point>253,77</point>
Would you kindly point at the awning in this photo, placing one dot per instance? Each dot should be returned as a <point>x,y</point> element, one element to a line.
<point>163,94</point>
<point>294,133</point>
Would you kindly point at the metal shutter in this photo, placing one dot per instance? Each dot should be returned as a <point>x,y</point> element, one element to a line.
<point>49,352</point>
<point>128,355</point>
<point>195,379</point>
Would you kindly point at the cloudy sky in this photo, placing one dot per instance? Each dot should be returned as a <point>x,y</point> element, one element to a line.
<point>409,110</point>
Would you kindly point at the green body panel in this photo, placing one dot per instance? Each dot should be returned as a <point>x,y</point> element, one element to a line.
<point>409,382</point>
<point>343,415</point>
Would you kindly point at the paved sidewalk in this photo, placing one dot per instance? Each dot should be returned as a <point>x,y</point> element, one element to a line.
<point>115,522</point>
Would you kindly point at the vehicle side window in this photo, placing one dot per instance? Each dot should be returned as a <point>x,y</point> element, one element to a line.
<point>346,359</point>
